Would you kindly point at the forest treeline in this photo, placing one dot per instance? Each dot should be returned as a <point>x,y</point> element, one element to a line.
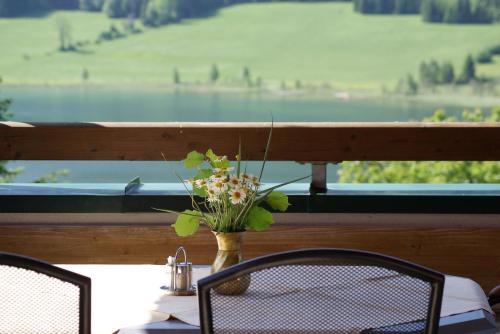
<point>160,12</point>
<point>444,11</point>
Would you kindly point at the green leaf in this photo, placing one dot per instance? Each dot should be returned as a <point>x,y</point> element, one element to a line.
<point>199,191</point>
<point>259,219</point>
<point>238,158</point>
<point>187,223</point>
<point>278,201</point>
<point>193,159</point>
<point>224,163</point>
<point>268,190</point>
<point>267,148</point>
<point>211,155</point>
<point>217,161</point>
<point>203,174</point>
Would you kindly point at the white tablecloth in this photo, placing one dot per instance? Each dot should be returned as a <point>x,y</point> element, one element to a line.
<point>129,295</point>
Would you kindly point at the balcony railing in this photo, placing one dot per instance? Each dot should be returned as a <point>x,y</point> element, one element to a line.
<point>308,142</point>
<point>451,230</point>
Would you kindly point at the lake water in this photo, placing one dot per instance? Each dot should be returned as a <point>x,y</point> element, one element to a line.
<point>44,104</point>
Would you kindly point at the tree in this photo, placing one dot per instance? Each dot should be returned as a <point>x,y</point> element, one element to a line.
<point>387,6</point>
<point>423,74</point>
<point>487,11</point>
<point>384,6</point>
<point>123,8</point>
<point>214,73</point>
<point>258,82</point>
<point>411,85</point>
<point>91,5</point>
<point>468,70</point>
<point>113,8</point>
<point>484,57</point>
<point>427,171</point>
<point>247,78</point>
<point>56,4</point>
<point>456,11</point>
<point>430,11</point>
<point>131,8</point>
<point>64,30</point>
<point>434,71</point>
<point>366,6</point>
<point>176,76</point>
<point>429,73</point>
<point>52,177</point>
<point>495,50</point>
<point>5,115</point>
<point>15,8</point>
<point>407,6</point>
<point>159,12</point>
<point>484,11</point>
<point>446,73</point>
<point>451,14</point>
<point>6,174</point>
<point>85,75</point>
<point>464,11</point>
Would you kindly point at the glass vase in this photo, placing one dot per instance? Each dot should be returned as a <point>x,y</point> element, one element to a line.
<point>228,254</point>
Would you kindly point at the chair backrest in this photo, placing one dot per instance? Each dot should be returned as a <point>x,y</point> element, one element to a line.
<point>322,291</point>
<point>37,297</point>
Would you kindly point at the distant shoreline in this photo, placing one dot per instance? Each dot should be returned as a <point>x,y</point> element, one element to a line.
<point>457,99</point>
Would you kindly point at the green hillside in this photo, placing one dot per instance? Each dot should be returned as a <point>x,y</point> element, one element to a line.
<point>313,42</point>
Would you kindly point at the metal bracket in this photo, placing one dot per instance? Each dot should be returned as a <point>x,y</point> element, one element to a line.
<point>133,185</point>
<point>318,178</point>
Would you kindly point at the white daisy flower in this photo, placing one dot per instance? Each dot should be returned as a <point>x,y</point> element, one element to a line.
<point>223,169</point>
<point>255,181</point>
<point>219,186</point>
<point>201,182</point>
<point>245,176</point>
<point>234,181</point>
<point>212,195</point>
<point>213,199</point>
<point>216,177</point>
<point>237,195</point>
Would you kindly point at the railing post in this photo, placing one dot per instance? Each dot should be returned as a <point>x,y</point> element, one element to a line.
<point>318,177</point>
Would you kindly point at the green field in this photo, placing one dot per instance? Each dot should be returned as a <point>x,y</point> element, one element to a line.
<point>315,43</point>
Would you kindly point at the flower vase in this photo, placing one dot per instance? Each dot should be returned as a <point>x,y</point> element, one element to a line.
<point>228,254</point>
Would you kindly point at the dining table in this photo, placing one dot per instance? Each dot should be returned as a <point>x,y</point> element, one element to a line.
<point>131,299</point>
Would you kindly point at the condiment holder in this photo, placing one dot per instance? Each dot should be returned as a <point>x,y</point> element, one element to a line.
<point>181,275</point>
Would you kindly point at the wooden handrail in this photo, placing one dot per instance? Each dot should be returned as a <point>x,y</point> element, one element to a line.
<point>308,142</point>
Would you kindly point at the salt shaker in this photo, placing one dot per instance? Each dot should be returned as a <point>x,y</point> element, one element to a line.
<point>181,275</point>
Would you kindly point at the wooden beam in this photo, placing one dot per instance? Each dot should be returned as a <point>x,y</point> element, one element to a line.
<point>466,251</point>
<point>291,141</point>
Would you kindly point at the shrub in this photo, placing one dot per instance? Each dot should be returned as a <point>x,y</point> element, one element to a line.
<point>427,171</point>
<point>484,57</point>
<point>495,50</point>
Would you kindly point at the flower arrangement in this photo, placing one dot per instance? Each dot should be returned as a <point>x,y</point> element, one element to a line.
<point>231,199</point>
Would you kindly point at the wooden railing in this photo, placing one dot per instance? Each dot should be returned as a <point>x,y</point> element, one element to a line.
<point>453,243</point>
<point>308,142</point>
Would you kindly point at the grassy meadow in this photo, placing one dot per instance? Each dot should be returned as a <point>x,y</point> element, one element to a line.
<point>315,43</point>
